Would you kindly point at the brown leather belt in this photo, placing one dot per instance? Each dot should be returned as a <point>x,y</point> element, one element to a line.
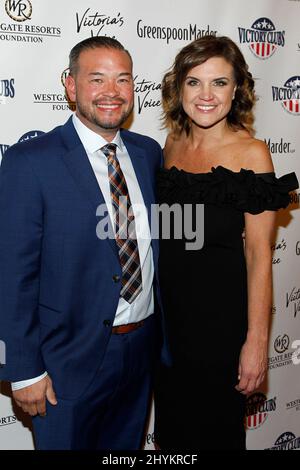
<point>122,329</point>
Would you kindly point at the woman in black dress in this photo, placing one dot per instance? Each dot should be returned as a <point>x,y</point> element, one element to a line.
<point>217,299</point>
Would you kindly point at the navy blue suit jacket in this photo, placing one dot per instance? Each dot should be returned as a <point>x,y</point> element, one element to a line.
<point>58,297</point>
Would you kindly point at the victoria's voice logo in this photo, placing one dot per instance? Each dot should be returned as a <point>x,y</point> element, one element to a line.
<point>293,300</point>
<point>96,22</point>
<point>257,409</point>
<point>262,37</point>
<point>147,93</point>
<point>18,10</point>
<point>289,95</point>
<point>278,248</point>
<point>286,441</point>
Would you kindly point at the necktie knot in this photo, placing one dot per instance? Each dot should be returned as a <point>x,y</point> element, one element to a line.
<point>109,150</point>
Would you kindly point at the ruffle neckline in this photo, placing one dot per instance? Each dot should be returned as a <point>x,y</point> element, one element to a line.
<point>246,190</point>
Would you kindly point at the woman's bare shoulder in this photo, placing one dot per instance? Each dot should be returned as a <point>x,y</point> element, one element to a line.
<point>257,156</point>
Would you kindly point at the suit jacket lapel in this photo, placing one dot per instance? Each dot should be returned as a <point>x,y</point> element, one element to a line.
<point>138,156</point>
<point>78,164</point>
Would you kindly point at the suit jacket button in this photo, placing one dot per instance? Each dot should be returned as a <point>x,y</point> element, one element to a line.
<point>116,278</point>
<point>107,323</point>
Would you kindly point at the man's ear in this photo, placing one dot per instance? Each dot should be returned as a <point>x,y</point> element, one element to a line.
<point>71,88</point>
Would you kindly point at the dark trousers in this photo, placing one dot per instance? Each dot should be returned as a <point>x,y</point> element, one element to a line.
<point>112,412</point>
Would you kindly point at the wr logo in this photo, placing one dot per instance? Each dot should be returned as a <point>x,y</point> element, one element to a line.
<point>18,10</point>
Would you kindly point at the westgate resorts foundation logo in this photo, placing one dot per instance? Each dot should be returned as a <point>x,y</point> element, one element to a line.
<point>283,357</point>
<point>7,420</point>
<point>281,343</point>
<point>288,95</point>
<point>19,10</point>
<point>262,37</point>
<point>286,441</point>
<point>58,101</point>
<point>22,29</point>
<point>257,409</point>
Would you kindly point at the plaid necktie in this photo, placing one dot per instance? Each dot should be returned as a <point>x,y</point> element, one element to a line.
<point>124,227</point>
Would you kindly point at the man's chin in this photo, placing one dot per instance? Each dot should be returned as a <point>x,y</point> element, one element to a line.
<point>111,125</point>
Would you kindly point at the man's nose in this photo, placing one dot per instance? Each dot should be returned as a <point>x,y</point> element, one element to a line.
<point>111,88</point>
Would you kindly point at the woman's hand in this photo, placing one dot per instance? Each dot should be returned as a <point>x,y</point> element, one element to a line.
<point>252,366</point>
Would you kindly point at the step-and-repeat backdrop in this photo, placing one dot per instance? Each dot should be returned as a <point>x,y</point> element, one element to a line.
<point>35,40</point>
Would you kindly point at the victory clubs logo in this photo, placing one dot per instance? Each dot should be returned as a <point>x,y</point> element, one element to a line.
<point>289,95</point>
<point>262,37</point>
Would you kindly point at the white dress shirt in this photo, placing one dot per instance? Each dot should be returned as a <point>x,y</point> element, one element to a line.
<point>143,305</point>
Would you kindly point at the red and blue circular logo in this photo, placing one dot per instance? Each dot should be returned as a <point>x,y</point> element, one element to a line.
<point>289,95</point>
<point>262,37</point>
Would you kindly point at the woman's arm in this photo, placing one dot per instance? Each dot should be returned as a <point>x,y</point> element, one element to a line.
<point>259,231</point>
<point>253,359</point>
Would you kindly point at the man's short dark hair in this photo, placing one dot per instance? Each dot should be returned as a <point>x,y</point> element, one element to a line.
<point>92,43</point>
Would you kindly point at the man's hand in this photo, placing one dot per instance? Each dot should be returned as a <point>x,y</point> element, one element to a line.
<point>32,399</point>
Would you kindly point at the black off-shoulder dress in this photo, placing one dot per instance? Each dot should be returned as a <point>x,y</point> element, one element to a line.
<point>204,294</point>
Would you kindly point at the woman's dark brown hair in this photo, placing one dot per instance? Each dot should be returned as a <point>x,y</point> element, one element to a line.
<point>196,53</point>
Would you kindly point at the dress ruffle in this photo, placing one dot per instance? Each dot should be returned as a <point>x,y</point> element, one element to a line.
<point>247,191</point>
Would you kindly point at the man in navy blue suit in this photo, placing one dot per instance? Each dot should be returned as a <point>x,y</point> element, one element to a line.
<point>78,300</point>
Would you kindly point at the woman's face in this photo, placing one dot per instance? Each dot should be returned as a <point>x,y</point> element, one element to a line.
<point>208,91</point>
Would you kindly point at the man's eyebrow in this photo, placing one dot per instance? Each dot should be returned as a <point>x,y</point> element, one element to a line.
<point>128,74</point>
